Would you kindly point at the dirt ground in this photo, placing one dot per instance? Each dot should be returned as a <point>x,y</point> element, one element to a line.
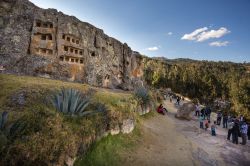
<point>170,141</point>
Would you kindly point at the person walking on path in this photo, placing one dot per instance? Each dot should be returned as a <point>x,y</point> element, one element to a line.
<point>235,131</point>
<point>201,122</point>
<point>208,113</point>
<point>244,129</point>
<point>197,110</point>
<point>219,115</point>
<point>213,127</point>
<point>230,129</point>
<point>178,100</point>
<point>225,119</point>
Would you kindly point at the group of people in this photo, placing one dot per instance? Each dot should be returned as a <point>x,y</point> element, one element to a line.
<point>237,127</point>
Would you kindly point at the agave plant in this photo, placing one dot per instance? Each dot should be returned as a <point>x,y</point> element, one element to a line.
<point>70,101</point>
<point>3,119</point>
<point>142,95</point>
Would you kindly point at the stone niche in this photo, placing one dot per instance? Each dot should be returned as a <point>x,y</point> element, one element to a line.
<point>43,38</point>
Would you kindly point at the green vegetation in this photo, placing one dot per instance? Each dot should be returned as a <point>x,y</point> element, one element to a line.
<point>142,95</point>
<point>108,150</point>
<point>203,80</point>
<point>35,133</point>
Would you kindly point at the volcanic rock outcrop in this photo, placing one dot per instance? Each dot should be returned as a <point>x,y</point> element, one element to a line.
<point>48,43</point>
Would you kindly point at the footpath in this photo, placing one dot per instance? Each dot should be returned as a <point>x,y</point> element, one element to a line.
<point>170,141</point>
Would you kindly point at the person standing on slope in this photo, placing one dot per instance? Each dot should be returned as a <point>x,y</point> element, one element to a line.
<point>243,130</point>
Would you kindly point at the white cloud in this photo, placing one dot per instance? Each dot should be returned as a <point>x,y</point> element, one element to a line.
<point>212,34</point>
<point>203,34</point>
<point>170,33</point>
<point>193,35</point>
<point>155,48</point>
<point>219,43</point>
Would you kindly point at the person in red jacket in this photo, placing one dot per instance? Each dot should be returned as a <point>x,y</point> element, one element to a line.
<point>160,109</point>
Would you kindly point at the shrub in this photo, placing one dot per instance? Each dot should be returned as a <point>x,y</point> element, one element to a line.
<point>142,95</point>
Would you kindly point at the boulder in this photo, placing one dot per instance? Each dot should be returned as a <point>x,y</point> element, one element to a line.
<point>185,110</point>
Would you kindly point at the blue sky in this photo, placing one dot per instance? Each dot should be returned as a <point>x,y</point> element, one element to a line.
<point>215,30</point>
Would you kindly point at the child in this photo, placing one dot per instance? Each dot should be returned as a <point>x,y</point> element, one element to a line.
<point>213,126</point>
<point>201,122</point>
<point>206,124</point>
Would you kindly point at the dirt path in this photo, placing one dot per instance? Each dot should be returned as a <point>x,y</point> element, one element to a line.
<point>169,141</point>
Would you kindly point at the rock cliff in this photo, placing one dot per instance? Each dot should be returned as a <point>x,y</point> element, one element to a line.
<point>48,43</point>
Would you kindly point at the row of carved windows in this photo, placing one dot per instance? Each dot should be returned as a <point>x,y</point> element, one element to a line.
<point>46,37</point>
<point>71,59</point>
<point>44,51</point>
<point>70,39</point>
<point>72,50</point>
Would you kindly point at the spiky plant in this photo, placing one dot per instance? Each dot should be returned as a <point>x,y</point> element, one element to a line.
<point>71,101</point>
<point>142,95</point>
<point>3,119</point>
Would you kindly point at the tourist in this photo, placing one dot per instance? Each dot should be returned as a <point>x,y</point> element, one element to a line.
<point>213,127</point>
<point>178,100</point>
<point>235,131</point>
<point>219,115</point>
<point>248,132</point>
<point>224,120</point>
<point>201,122</point>
<point>197,110</point>
<point>203,112</point>
<point>208,113</point>
<point>230,128</point>
<point>243,131</point>
<point>170,98</point>
<point>160,110</point>
<point>206,122</point>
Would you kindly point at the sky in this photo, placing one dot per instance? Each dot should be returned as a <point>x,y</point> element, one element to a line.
<point>216,30</point>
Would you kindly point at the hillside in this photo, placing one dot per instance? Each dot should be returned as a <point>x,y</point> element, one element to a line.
<point>35,133</point>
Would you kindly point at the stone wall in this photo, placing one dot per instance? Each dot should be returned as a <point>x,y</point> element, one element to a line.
<point>48,43</point>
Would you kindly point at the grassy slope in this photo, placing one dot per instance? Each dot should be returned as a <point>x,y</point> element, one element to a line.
<point>52,136</point>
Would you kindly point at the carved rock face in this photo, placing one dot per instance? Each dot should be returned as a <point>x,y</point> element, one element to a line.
<point>48,43</point>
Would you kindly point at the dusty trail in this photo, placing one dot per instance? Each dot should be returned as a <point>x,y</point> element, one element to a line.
<point>169,141</point>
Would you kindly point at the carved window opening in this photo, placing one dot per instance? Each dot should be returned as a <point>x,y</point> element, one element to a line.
<point>72,60</point>
<point>49,37</point>
<point>38,24</point>
<point>77,60</point>
<point>127,62</point>
<point>77,41</point>
<point>65,48</point>
<point>81,61</point>
<point>43,37</point>
<point>80,52</point>
<point>50,52</point>
<point>93,54</point>
<point>73,40</point>
<point>45,25</point>
<point>43,51</point>
<point>63,36</point>
<point>71,50</point>
<point>68,38</point>
<point>51,25</point>
<point>76,51</point>
<point>67,59</point>
<point>61,58</point>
